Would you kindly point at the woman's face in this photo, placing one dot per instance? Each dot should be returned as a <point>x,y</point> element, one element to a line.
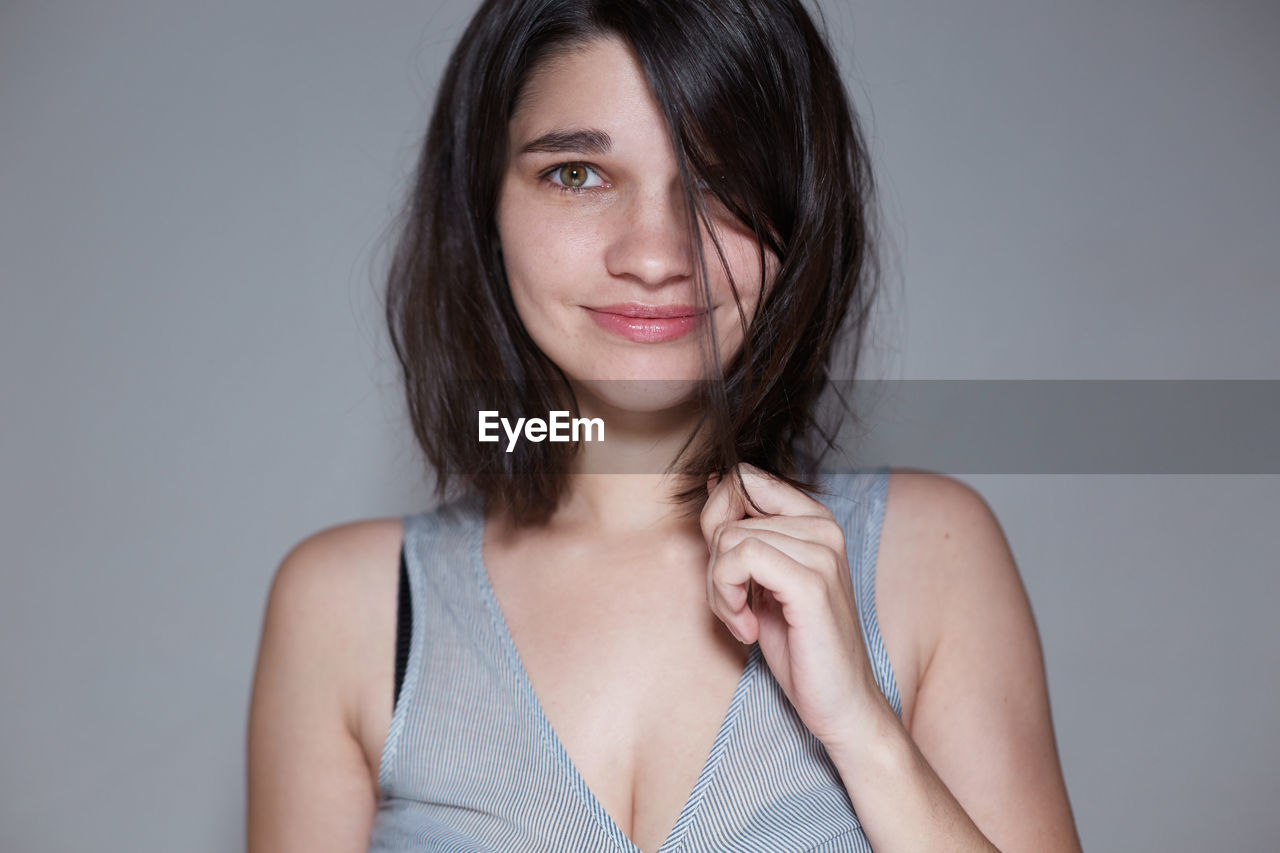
<point>594,237</point>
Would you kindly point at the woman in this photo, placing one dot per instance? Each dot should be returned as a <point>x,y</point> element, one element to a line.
<point>617,203</point>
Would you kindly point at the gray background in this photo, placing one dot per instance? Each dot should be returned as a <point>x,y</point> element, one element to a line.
<point>194,376</point>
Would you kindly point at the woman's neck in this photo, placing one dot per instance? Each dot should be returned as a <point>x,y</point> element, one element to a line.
<point>621,484</point>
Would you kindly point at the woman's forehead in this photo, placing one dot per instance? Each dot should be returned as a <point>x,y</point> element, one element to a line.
<point>597,87</point>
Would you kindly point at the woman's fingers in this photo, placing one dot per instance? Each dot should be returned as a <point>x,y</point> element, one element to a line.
<point>791,546</point>
<point>821,530</point>
<point>795,572</point>
<point>812,555</point>
<point>726,502</point>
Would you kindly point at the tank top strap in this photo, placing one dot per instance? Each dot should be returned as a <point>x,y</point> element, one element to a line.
<point>435,552</point>
<point>858,501</point>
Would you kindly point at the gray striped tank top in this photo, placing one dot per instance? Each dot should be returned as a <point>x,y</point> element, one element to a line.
<point>472,764</point>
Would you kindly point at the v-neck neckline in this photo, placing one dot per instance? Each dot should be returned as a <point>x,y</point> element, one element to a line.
<point>718,746</point>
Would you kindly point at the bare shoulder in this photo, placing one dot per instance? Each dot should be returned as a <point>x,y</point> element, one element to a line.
<point>343,581</point>
<point>957,614</point>
<point>325,657</point>
<point>343,550</point>
<point>937,533</point>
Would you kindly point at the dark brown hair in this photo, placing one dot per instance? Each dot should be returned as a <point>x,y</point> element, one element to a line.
<point>758,116</point>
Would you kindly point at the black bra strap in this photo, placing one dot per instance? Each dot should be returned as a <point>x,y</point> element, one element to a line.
<point>404,626</point>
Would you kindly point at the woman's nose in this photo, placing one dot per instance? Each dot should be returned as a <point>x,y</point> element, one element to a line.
<point>650,239</point>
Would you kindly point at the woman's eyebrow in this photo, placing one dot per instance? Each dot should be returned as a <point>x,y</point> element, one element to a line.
<point>569,141</point>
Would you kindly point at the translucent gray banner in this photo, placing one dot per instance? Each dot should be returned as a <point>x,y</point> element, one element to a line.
<point>1065,426</point>
<point>1032,426</point>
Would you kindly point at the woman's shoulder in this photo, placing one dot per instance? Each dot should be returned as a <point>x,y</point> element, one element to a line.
<point>334,594</point>
<point>940,542</point>
<point>941,527</point>
<point>340,563</point>
<point>982,720</point>
<point>343,573</point>
<point>937,503</point>
<point>920,509</point>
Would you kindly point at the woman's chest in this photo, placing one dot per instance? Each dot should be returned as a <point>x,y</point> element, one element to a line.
<point>632,671</point>
<point>632,676</point>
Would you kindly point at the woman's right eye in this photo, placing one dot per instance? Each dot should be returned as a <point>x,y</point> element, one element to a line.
<point>572,177</point>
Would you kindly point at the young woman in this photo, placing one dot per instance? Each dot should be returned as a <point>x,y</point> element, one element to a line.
<point>657,216</point>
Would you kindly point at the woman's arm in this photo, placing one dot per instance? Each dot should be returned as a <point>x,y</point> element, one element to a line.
<point>310,788</point>
<point>981,748</point>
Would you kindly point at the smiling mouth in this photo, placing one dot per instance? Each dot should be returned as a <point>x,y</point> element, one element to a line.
<point>640,311</point>
<point>649,324</point>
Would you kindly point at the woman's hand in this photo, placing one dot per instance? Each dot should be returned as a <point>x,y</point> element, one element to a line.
<point>783,580</point>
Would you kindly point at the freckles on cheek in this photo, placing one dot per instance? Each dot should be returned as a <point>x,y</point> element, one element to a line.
<point>570,240</point>
<point>564,258</point>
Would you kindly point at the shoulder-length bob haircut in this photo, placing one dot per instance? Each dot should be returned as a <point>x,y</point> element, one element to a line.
<point>757,115</point>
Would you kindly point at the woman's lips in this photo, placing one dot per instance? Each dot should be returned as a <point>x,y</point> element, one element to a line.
<point>649,324</point>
